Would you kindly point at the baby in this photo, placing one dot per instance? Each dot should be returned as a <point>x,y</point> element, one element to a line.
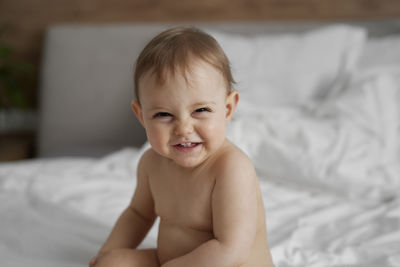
<point>203,187</point>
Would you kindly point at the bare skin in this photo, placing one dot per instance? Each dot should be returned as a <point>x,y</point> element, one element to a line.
<point>203,188</point>
<point>184,204</point>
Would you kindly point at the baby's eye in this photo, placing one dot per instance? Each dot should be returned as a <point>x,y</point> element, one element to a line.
<point>205,109</point>
<point>162,115</point>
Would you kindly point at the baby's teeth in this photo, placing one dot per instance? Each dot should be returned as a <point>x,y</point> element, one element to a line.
<point>186,144</point>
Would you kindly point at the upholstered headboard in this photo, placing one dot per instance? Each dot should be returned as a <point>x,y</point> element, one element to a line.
<point>87,81</point>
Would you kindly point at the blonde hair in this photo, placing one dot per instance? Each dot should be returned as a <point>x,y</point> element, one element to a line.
<point>175,49</point>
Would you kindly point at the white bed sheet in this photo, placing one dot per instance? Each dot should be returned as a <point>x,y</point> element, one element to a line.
<point>349,144</point>
<point>58,212</point>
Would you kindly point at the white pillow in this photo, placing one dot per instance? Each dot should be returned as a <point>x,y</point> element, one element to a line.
<point>350,145</point>
<point>291,68</point>
<point>380,52</point>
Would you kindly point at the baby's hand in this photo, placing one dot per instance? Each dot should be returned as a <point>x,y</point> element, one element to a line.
<point>93,262</point>
<point>98,259</point>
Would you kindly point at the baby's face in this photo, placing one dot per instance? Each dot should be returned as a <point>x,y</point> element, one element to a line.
<point>185,120</point>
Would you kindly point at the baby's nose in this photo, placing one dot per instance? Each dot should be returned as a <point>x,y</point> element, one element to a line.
<point>183,127</point>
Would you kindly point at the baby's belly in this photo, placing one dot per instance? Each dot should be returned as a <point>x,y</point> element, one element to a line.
<point>175,240</point>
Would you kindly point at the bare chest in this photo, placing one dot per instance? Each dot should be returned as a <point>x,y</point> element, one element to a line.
<point>183,200</point>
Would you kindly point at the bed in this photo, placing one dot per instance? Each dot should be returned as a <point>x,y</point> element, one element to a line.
<point>319,115</point>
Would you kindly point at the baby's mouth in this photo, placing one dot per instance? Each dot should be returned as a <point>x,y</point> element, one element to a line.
<point>187,145</point>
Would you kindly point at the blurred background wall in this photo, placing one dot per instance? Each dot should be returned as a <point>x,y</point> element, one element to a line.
<point>23,24</point>
<point>26,20</point>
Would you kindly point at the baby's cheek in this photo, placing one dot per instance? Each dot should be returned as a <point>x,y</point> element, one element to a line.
<point>215,130</point>
<point>155,137</point>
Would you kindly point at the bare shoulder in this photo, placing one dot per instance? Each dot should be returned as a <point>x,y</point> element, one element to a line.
<point>148,159</point>
<point>233,162</point>
<point>233,157</point>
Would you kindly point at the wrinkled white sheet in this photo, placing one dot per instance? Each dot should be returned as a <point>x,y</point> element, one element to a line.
<point>329,176</point>
<point>349,144</point>
<point>58,213</point>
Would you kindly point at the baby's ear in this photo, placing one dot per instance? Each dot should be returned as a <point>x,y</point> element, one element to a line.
<point>231,103</point>
<point>137,109</point>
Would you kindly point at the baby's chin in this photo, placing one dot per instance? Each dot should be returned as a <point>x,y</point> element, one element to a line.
<point>188,161</point>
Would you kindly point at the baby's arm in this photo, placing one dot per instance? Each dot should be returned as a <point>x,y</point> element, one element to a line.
<point>137,219</point>
<point>234,209</point>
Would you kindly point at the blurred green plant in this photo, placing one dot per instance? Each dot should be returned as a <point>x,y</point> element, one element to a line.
<point>17,79</point>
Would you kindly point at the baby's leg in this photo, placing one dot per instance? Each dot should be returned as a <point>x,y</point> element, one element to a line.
<point>129,258</point>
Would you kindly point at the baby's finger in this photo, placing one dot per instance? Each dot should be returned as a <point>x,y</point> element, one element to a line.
<point>93,262</point>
